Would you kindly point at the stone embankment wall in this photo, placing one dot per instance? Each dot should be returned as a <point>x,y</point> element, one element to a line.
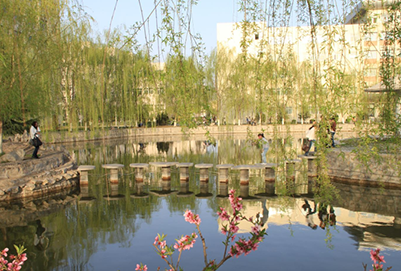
<point>359,198</point>
<point>55,171</point>
<point>344,166</point>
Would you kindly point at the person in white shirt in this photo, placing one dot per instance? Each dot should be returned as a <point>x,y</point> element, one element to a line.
<point>265,145</point>
<point>35,132</point>
<point>311,135</point>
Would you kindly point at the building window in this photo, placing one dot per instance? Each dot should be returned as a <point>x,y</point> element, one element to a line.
<point>288,110</point>
<point>386,35</point>
<point>370,72</point>
<point>371,55</point>
<point>370,36</point>
<point>387,53</point>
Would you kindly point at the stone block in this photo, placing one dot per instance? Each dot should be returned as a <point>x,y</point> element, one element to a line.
<point>13,190</point>
<point>29,187</point>
<point>17,155</point>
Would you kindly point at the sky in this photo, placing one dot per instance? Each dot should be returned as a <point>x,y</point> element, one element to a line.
<point>206,15</point>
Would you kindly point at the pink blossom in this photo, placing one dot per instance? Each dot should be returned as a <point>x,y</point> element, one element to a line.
<point>233,228</point>
<point>223,214</point>
<point>243,247</point>
<point>162,244</point>
<point>224,230</point>
<point>374,255</point>
<point>192,218</point>
<point>141,267</point>
<point>16,264</point>
<point>186,242</point>
<point>4,252</point>
<point>234,201</point>
<point>156,242</point>
<point>256,229</point>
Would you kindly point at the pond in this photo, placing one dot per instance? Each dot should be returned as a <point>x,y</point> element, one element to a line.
<point>62,232</point>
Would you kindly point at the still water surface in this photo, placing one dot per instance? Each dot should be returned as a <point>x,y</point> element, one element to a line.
<point>63,233</point>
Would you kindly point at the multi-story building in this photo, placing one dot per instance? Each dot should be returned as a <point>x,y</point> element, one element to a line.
<point>356,47</point>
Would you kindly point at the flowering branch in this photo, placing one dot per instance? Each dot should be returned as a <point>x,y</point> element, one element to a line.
<point>242,245</point>
<point>377,260</point>
<point>239,246</point>
<point>17,262</point>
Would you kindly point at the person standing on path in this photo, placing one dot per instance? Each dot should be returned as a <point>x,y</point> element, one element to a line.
<point>333,126</point>
<point>35,132</point>
<point>265,145</point>
<point>311,136</point>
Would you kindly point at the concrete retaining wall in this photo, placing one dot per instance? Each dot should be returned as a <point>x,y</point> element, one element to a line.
<point>345,167</point>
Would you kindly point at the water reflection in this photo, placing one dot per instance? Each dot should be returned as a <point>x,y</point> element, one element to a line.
<point>109,235</point>
<point>221,151</point>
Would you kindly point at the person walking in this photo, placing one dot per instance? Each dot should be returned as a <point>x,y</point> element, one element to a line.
<point>311,136</point>
<point>333,126</point>
<point>265,145</point>
<point>34,132</point>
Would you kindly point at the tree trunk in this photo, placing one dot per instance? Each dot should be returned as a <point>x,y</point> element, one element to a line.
<point>1,136</point>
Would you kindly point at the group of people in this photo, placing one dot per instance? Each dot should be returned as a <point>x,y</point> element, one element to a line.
<point>250,121</point>
<point>325,214</point>
<point>311,135</point>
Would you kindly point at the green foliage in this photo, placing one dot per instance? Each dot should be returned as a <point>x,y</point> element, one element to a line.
<point>11,127</point>
<point>162,119</point>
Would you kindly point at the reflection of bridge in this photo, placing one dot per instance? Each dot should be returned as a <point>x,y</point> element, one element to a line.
<point>368,229</point>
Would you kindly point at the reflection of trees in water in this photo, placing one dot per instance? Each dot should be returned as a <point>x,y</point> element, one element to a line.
<point>163,146</point>
<point>237,152</point>
<point>80,230</point>
<point>28,224</point>
<point>229,150</point>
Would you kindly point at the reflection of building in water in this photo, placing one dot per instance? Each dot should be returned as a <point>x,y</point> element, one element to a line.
<point>368,229</point>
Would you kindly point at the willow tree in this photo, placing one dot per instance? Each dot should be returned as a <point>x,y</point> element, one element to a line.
<point>390,72</point>
<point>28,30</point>
<point>184,92</point>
